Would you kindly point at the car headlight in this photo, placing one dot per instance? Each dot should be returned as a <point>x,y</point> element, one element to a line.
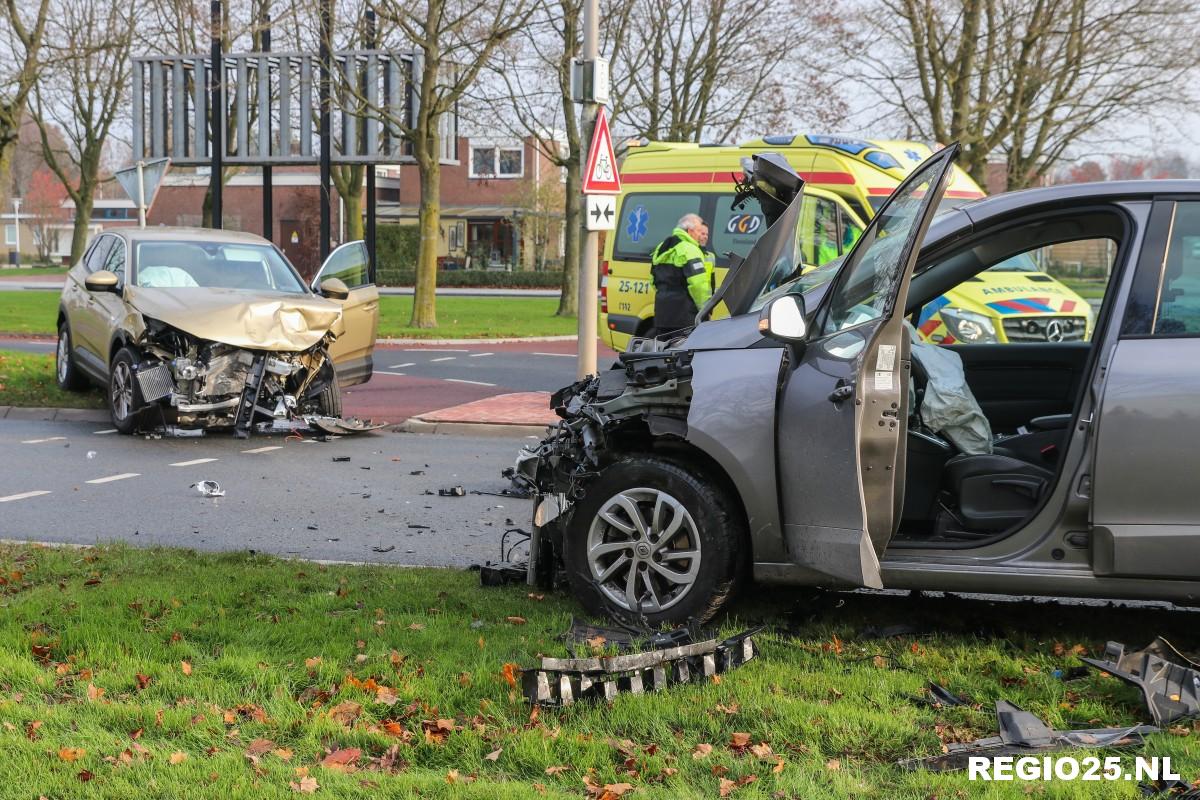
<point>968,326</point>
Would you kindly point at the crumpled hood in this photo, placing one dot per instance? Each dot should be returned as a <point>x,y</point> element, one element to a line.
<point>254,320</point>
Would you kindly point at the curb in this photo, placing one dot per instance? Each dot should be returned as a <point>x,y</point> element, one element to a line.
<point>418,425</point>
<point>54,414</point>
<point>504,340</point>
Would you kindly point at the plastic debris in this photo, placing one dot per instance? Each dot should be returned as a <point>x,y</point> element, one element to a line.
<point>341,458</point>
<point>381,549</point>
<point>1170,682</point>
<point>452,491</point>
<point>209,488</point>
<point>91,454</point>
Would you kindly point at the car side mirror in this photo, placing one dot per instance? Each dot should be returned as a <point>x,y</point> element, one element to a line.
<point>102,281</point>
<point>334,289</point>
<point>783,319</point>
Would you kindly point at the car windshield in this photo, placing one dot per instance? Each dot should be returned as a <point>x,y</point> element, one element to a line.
<point>215,265</point>
<point>1021,262</point>
<point>805,283</point>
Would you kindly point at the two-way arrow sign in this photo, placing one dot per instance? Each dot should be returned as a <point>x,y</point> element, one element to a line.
<point>601,212</point>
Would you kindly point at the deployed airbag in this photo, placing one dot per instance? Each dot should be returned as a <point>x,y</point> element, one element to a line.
<point>949,407</point>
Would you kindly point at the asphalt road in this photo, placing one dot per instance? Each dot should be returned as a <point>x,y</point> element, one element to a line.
<point>71,482</point>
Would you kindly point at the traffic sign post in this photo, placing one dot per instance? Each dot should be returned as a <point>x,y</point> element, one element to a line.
<point>141,183</point>
<point>600,174</point>
<point>601,212</point>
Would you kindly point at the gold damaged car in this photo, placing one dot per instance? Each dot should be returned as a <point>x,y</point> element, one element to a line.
<point>197,329</point>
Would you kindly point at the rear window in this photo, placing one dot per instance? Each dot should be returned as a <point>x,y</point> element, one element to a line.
<point>649,217</point>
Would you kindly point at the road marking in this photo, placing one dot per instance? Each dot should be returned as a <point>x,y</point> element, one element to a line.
<point>402,366</point>
<point>433,350</point>
<point>193,462</point>
<point>112,478</point>
<point>102,433</point>
<point>22,496</point>
<point>443,358</point>
<point>473,383</point>
<point>267,449</point>
<point>481,355</point>
<point>385,372</point>
<point>559,355</point>
<point>47,439</point>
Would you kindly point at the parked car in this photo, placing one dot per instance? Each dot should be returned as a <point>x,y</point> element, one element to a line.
<point>207,329</point>
<point>812,438</point>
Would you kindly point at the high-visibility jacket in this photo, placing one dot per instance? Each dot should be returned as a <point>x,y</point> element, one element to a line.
<point>682,275</point>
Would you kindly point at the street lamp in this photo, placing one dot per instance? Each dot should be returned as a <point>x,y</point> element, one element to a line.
<point>16,201</point>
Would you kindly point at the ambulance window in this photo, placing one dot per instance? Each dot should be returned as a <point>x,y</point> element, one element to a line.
<point>819,235</point>
<point>735,230</point>
<point>648,218</point>
<point>851,230</point>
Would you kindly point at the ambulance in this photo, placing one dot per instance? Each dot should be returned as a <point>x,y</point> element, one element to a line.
<point>846,181</point>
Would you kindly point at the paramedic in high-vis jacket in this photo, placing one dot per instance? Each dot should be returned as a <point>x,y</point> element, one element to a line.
<point>683,275</point>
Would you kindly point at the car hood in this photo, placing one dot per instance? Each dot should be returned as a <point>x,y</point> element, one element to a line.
<point>254,320</point>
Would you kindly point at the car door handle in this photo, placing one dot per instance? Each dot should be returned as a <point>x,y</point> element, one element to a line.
<point>841,393</point>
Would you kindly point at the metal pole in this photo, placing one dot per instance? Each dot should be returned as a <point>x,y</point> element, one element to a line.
<point>326,59</point>
<point>268,199</point>
<point>141,198</point>
<point>16,201</point>
<point>589,257</point>
<point>371,45</point>
<point>216,80</point>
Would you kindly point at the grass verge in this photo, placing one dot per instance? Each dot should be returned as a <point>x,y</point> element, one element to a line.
<point>25,272</point>
<point>1087,289</point>
<point>35,312</point>
<point>168,673</point>
<point>27,379</point>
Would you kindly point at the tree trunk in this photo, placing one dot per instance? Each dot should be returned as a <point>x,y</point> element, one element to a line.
<point>424,314</point>
<point>568,301</point>
<point>83,218</point>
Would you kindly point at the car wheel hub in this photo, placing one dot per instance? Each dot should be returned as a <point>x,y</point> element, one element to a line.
<point>122,390</point>
<point>643,550</point>
<point>63,353</point>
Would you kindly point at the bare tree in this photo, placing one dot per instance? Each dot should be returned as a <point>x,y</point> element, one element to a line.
<point>1027,79</point>
<point>454,40</point>
<point>82,95</point>
<point>18,71</point>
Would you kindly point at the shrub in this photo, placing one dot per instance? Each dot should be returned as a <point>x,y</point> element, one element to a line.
<point>475,278</point>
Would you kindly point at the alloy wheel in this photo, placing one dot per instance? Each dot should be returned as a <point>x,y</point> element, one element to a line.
<point>643,550</point>
<point>121,393</point>
<point>63,355</point>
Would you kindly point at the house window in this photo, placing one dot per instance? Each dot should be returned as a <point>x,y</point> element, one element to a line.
<point>490,161</point>
<point>10,234</point>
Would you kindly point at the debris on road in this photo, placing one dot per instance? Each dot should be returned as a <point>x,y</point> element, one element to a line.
<point>452,491</point>
<point>1022,733</point>
<point>563,681</point>
<point>209,488</point>
<point>343,425</point>
<point>91,454</point>
<point>381,549</point>
<point>1170,682</point>
<point>340,458</point>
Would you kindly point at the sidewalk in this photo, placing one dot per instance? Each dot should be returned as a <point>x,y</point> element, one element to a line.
<point>515,414</point>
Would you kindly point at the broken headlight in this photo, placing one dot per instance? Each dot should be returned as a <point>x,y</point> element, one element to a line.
<point>968,326</point>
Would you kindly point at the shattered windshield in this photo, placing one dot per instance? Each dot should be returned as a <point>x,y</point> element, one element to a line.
<point>215,265</point>
<point>802,285</point>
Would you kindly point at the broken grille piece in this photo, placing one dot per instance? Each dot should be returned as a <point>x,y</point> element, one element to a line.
<point>1170,682</point>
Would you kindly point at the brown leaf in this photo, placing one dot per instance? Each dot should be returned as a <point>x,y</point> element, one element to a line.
<point>732,708</point>
<point>556,770</point>
<point>94,692</point>
<point>739,741</point>
<point>515,620</point>
<point>464,679</point>
<point>386,696</point>
<point>84,776</point>
<point>494,755</point>
<point>306,785</point>
<point>31,729</point>
<point>510,674</point>
<point>345,713</point>
<point>178,757</point>
<point>833,765</point>
<point>142,680</point>
<point>762,750</point>
<point>72,753</point>
<point>186,666</point>
<point>778,768</point>
<point>701,750</point>
<point>416,626</point>
<point>342,760</point>
<point>312,663</point>
<point>260,746</point>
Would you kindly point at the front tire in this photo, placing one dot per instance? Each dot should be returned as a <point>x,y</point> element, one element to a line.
<point>124,399</point>
<point>66,373</point>
<point>651,540</point>
<point>329,401</point>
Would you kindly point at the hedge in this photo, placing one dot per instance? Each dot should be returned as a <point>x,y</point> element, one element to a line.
<point>396,251</point>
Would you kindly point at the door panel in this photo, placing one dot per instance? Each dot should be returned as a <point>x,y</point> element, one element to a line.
<point>1016,382</point>
<point>843,409</point>
<point>353,352</point>
<point>89,329</point>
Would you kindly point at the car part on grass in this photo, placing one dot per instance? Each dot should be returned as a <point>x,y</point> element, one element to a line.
<point>1170,682</point>
<point>452,491</point>
<point>209,488</point>
<point>1173,788</point>
<point>564,681</point>
<point>627,637</point>
<point>1022,733</point>
<point>504,571</point>
<point>941,697</point>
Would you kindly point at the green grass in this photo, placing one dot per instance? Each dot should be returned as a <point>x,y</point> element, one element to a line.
<point>27,379</point>
<point>35,312</point>
<point>93,642</point>
<point>27,271</point>
<point>1085,288</point>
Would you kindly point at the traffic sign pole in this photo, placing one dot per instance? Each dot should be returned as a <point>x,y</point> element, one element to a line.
<point>589,266</point>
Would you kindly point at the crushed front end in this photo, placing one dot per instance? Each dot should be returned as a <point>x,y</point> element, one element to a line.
<point>189,383</point>
<point>635,407</point>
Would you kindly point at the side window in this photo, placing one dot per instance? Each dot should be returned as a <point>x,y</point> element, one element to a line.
<point>1178,310</point>
<point>350,264</point>
<point>819,237</point>
<point>1047,294</point>
<point>735,230</point>
<point>851,230</point>
<point>115,262</point>
<point>648,218</point>
<point>97,257</point>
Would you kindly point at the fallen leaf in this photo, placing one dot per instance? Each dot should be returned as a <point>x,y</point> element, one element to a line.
<point>84,776</point>
<point>345,713</point>
<point>386,696</point>
<point>142,680</point>
<point>31,730</point>
<point>833,765</point>
<point>515,620</point>
<point>306,785</point>
<point>778,768</point>
<point>739,741</point>
<point>464,679</point>
<point>732,708</point>
<point>283,753</point>
<point>186,666</point>
<point>556,770</point>
<point>72,753</point>
<point>260,746</point>
<point>342,760</point>
<point>510,674</point>
<point>178,757</point>
<point>94,692</point>
<point>762,750</point>
<point>702,750</point>
<point>416,626</point>
<point>495,754</point>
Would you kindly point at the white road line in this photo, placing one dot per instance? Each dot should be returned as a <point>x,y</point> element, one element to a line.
<point>22,496</point>
<point>102,433</point>
<point>559,355</point>
<point>47,439</point>
<point>433,350</point>
<point>481,355</point>
<point>112,478</point>
<point>443,358</point>
<point>193,462</point>
<point>402,366</point>
<point>385,372</point>
<point>266,449</point>
<point>473,383</point>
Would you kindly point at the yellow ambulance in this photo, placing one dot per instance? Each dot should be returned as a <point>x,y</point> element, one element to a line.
<point>846,180</point>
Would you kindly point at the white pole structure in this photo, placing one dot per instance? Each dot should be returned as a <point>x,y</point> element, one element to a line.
<point>17,227</point>
<point>589,256</point>
<point>141,198</point>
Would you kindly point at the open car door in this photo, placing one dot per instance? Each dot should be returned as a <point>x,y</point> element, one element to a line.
<point>843,409</point>
<point>353,352</point>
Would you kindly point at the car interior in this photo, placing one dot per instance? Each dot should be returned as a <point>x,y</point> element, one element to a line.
<point>182,265</point>
<point>1023,393</point>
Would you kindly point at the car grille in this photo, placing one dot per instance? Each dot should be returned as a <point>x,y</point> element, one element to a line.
<point>1045,329</point>
<point>155,382</point>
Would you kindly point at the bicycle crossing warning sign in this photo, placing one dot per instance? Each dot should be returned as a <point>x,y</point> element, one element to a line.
<point>600,176</point>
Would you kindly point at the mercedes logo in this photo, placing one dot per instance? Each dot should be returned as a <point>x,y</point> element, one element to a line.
<point>1054,331</point>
